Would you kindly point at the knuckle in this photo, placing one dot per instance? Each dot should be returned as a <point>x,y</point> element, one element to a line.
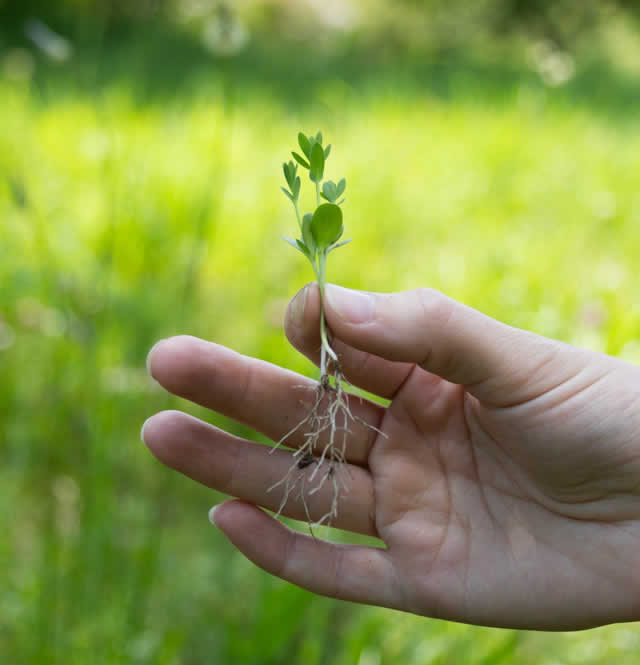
<point>433,303</point>
<point>436,311</point>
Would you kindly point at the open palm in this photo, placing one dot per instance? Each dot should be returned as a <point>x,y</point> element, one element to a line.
<point>504,481</point>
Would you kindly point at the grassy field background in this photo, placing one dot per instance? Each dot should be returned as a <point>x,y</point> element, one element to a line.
<point>130,213</point>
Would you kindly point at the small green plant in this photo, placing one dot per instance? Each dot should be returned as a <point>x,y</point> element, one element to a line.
<point>317,461</point>
<point>321,230</point>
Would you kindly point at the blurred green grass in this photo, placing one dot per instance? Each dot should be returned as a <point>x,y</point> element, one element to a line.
<point>126,217</point>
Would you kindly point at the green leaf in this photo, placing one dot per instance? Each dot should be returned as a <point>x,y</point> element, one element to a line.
<point>304,144</point>
<point>326,225</point>
<point>296,187</point>
<point>307,236</point>
<point>319,137</point>
<point>317,163</point>
<point>338,244</point>
<point>327,150</point>
<point>288,194</point>
<point>290,169</point>
<point>342,185</point>
<point>294,244</point>
<point>304,249</point>
<point>301,160</point>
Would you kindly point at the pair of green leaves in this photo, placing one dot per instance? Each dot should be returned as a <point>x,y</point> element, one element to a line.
<point>315,155</point>
<point>320,231</point>
<point>332,192</point>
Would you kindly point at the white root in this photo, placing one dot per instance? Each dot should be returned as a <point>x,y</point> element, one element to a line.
<point>327,427</point>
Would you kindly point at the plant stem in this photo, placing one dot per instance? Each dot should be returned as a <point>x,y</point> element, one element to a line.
<point>326,346</point>
<point>320,267</point>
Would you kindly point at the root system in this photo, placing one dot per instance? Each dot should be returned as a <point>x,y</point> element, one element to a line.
<point>326,430</point>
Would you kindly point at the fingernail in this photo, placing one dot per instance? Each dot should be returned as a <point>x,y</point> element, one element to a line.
<point>297,308</point>
<point>212,512</point>
<point>352,306</point>
<point>144,424</point>
<point>148,361</point>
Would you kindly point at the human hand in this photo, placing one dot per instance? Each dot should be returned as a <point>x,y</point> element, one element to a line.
<point>505,483</point>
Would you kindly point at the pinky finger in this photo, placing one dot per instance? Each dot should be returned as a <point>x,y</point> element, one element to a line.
<point>349,572</point>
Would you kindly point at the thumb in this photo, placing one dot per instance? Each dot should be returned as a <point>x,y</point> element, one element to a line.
<point>495,362</point>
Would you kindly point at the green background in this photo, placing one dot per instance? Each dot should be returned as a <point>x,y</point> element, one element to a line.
<point>139,198</point>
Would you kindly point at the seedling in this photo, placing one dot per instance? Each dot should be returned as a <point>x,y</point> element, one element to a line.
<point>318,461</point>
<point>321,230</point>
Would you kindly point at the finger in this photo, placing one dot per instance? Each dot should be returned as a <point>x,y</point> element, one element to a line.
<point>267,398</point>
<point>248,470</point>
<point>348,572</point>
<point>499,364</point>
<point>361,368</point>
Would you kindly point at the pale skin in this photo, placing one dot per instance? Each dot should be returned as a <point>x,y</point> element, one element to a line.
<point>504,480</point>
